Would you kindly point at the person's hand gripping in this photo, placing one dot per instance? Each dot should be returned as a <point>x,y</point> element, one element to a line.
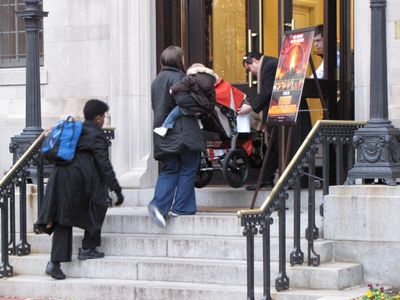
<point>120,197</point>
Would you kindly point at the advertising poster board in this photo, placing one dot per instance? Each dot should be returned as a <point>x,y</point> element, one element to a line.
<point>290,75</point>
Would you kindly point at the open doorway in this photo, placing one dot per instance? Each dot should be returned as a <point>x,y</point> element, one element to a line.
<point>218,33</point>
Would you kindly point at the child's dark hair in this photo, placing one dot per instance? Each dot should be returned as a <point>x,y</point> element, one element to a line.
<point>93,108</point>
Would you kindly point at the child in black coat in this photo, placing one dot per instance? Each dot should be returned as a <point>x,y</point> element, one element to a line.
<point>199,82</point>
<point>76,193</point>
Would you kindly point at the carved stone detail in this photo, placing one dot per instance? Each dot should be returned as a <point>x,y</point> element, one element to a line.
<point>370,148</point>
<point>394,148</point>
<point>375,149</point>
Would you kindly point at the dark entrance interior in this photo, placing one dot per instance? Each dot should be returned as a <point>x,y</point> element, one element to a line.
<point>219,33</point>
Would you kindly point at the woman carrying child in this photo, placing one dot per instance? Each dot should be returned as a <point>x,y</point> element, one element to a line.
<point>179,150</point>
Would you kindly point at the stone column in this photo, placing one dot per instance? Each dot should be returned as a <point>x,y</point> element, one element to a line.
<point>133,67</point>
<point>378,143</point>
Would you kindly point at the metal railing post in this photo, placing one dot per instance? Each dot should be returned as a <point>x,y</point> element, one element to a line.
<point>339,163</point>
<point>312,232</point>
<point>5,268</point>
<point>296,256</point>
<point>325,167</point>
<point>40,184</point>
<point>23,248</point>
<point>249,231</point>
<point>265,230</point>
<point>12,248</point>
<point>282,281</point>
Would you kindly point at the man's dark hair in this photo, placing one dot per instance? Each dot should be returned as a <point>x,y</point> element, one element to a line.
<point>319,29</point>
<point>248,59</point>
<point>93,108</point>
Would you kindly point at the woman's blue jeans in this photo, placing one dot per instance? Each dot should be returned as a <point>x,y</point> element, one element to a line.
<point>175,184</point>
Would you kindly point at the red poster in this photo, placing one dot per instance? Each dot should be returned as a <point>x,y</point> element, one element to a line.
<point>290,75</point>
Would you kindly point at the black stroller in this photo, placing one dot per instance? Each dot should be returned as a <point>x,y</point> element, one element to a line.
<point>227,149</point>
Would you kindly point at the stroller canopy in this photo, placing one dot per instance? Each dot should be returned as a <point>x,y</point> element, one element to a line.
<point>228,96</point>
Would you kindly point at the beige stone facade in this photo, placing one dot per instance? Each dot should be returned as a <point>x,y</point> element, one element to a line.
<point>106,49</point>
<point>93,49</point>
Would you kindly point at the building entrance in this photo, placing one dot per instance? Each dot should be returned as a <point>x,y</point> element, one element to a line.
<point>218,33</point>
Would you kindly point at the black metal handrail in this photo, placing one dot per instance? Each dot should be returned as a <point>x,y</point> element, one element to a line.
<point>16,177</point>
<point>325,133</point>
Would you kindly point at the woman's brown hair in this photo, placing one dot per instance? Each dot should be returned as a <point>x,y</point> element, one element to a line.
<point>172,56</point>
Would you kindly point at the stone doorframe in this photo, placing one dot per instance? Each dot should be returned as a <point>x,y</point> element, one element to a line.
<point>133,67</point>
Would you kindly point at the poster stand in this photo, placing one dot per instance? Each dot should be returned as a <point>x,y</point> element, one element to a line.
<point>286,125</point>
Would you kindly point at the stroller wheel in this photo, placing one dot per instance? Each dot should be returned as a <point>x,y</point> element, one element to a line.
<point>235,168</point>
<point>204,173</point>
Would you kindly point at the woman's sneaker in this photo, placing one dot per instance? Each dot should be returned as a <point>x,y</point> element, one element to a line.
<point>173,214</point>
<point>156,216</point>
<point>89,254</point>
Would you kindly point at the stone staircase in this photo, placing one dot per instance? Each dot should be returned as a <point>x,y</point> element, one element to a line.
<point>195,257</point>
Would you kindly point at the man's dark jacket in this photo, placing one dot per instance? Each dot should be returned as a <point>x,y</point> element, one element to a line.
<point>76,193</point>
<point>186,134</point>
<point>266,82</point>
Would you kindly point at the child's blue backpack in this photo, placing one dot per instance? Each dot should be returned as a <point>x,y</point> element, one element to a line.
<point>60,145</point>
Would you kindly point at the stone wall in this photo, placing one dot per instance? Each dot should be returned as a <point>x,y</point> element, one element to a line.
<point>93,49</point>
<point>363,222</point>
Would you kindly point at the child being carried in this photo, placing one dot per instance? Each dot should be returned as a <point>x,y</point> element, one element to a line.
<point>199,83</point>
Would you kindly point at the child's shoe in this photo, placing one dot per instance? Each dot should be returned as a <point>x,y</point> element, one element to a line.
<point>53,269</point>
<point>161,131</point>
<point>89,254</point>
<point>200,123</point>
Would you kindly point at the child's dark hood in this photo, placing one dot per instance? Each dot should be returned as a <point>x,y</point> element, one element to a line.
<point>204,77</point>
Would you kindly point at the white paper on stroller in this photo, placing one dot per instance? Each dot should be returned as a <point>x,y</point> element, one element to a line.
<point>243,123</point>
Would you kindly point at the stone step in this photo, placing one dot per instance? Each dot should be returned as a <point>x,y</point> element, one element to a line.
<point>211,196</point>
<point>215,197</point>
<point>117,289</point>
<point>136,220</point>
<point>321,294</point>
<point>210,271</point>
<point>331,275</point>
<point>185,246</point>
<point>219,196</point>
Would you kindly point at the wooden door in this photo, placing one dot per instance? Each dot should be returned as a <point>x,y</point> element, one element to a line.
<point>218,33</point>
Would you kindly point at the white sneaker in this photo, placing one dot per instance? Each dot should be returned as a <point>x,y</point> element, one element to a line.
<point>156,216</point>
<point>200,123</point>
<point>162,131</point>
